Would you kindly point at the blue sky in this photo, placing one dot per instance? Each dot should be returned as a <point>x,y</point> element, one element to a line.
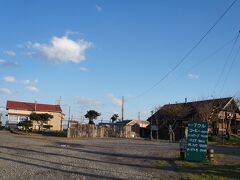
<point>93,52</point>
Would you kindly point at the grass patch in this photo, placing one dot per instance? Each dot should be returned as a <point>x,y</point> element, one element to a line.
<point>206,170</point>
<point>162,162</point>
<point>219,155</point>
<point>233,140</point>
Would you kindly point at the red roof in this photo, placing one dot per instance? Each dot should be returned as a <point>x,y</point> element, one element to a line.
<point>31,106</point>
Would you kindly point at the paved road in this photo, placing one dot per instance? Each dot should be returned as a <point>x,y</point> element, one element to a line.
<point>23,157</point>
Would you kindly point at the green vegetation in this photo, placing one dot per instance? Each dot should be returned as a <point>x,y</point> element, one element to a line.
<point>52,133</point>
<point>216,170</point>
<point>205,170</point>
<point>114,117</point>
<point>26,125</point>
<point>91,115</point>
<point>162,162</point>
<point>40,118</point>
<point>233,140</point>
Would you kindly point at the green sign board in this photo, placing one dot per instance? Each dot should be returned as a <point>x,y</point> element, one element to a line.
<point>197,141</point>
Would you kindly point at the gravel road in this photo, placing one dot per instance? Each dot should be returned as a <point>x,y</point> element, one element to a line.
<point>28,157</point>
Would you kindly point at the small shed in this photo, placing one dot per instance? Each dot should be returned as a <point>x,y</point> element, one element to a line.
<point>138,127</point>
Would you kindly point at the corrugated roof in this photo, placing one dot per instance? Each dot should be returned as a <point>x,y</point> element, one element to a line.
<point>32,106</point>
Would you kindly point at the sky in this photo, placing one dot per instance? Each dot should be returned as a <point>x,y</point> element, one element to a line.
<point>88,54</point>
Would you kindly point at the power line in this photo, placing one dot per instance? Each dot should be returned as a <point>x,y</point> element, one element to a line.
<point>208,57</point>
<point>212,54</point>
<point>230,68</point>
<point>189,52</point>
<point>225,64</point>
<point>216,51</point>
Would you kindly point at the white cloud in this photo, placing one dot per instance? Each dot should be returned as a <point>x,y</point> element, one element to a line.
<point>5,91</point>
<point>88,102</point>
<point>99,8</point>
<point>84,69</point>
<point>193,76</point>
<point>62,49</point>
<point>32,89</point>
<point>68,32</point>
<point>5,63</point>
<point>35,81</point>
<point>9,53</point>
<point>27,81</point>
<point>115,101</point>
<point>9,79</point>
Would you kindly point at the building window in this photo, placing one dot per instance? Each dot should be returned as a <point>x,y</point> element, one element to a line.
<point>23,118</point>
<point>12,118</point>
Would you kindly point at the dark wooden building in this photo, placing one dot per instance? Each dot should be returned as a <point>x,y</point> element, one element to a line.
<point>221,114</point>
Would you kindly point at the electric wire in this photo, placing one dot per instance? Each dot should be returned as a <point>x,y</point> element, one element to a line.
<point>189,52</point>
<point>206,58</point>
<point>230,69</point>
<point>225,64</point>
<point>203,60</point>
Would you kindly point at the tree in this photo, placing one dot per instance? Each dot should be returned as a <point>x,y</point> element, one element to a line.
<point>205,111</point>
<point>91,115</point>
<point>40,118</point>
<point>26,124</point>
<point>114,117</point>
<point>171,115</point>
<point>232,108</point>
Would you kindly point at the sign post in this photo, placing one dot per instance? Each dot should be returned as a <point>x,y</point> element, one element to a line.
<point>197,141</point>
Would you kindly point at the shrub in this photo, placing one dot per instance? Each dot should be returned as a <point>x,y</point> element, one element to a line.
<point>25,124</point>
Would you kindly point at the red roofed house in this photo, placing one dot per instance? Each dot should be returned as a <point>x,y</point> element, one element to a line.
<point>19,111</point>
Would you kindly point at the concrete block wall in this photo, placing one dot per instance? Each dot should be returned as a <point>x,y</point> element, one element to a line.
<point>76,130</point>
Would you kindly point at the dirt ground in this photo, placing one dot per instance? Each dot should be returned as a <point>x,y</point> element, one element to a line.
<point>28,157</point>
<point>24,157</point>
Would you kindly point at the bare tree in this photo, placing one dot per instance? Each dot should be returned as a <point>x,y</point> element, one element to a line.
<point>171,114</point>
<point>174,112</point>
<point>230,114</point>
<point>208,111</point>
<point>204,111</point>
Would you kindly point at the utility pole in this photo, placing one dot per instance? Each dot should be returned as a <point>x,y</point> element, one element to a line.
<point>223,125</point>
<point>58,101</point>
<point>122,108</point>
<point>0,119</point>
<point>151,125</point>
<point>138,115</point>
<point>81,117</point>
<point>69,113</point>
<point>35,105</point>
<point>157,126</point>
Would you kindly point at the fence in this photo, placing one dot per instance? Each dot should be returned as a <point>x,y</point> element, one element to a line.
<point>77,130</point>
